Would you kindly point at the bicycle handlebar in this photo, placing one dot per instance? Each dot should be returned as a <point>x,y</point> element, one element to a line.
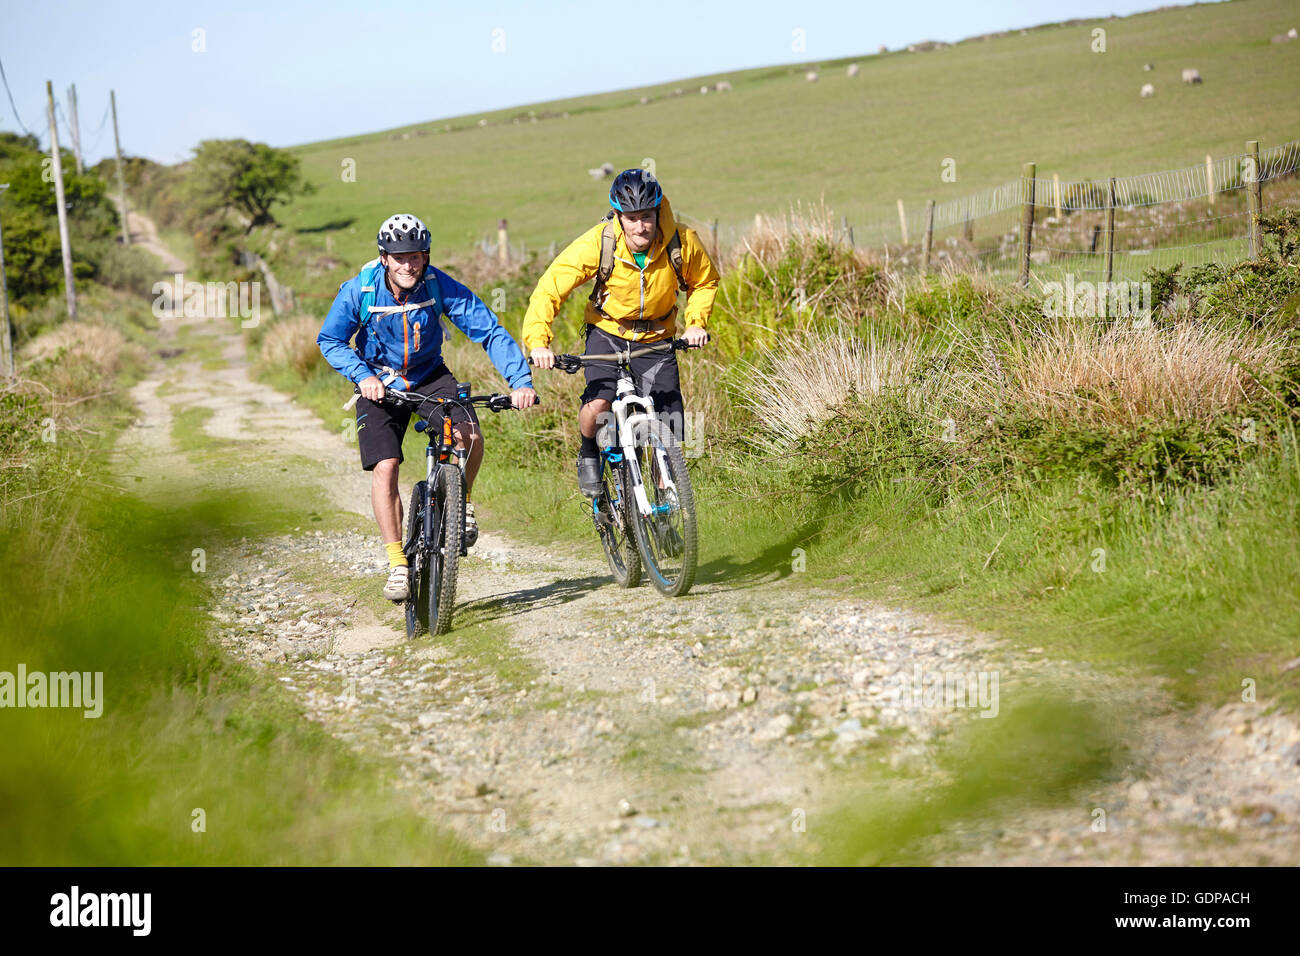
<point>571,363</point>
<point>495,402</point>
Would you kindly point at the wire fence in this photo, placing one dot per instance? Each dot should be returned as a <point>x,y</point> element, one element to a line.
<point>1194,215</point>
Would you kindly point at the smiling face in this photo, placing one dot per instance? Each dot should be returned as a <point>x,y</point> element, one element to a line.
<point>639,228</point>
<point>405,269</point>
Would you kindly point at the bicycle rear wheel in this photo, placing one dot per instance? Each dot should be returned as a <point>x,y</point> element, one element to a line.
<point>612,512</point>
<point>666,537</point>
<point>445,526</point>
<point>417,620</point>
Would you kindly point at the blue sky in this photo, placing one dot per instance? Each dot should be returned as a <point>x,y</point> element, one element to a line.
<point>292,72</point>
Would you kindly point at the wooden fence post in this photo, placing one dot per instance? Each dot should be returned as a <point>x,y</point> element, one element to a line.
<point>1026,219</point>
<point>1254,197</point>
<point>1110,229</point>
<point>928,241</point>
<point>902,221</point>
<point>1056,194</point>
<point>1209,178</point>
<point>969,229</point>
<point>503,243</point>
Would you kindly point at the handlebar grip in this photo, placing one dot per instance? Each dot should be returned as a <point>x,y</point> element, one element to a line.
<point>421,425</point>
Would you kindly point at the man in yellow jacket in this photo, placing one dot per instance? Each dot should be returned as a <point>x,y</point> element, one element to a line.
<point>636,302</point>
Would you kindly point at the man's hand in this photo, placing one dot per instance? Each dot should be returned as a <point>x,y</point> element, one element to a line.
<point>372,388</point>
<point>523,398</point>
<point>543,358</point>
<point>695,336</point>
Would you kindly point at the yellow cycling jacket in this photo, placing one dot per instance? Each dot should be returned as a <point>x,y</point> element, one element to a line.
<point>632,294</point>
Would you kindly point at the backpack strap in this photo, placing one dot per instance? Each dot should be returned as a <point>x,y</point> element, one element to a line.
<point>606,265</point>
<point>675,259</point>
<point>372,273</point>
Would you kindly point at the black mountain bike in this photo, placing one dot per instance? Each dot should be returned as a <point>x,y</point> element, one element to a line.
<point>435,519</point>
<point>646,494</point>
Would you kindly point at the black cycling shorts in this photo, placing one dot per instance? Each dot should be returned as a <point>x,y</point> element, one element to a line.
<point>381,428</point>
<point>656,376</point>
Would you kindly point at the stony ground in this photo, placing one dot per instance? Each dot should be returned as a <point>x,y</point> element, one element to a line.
<point>567,721</point>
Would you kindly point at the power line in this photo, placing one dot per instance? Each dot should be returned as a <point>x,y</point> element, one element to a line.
<point>11,100</point>
<point>99,132</point>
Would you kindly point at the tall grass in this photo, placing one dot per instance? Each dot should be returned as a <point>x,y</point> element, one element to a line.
<point>195,759</point>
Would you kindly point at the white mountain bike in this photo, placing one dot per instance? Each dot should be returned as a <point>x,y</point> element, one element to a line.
<point>646,490</point>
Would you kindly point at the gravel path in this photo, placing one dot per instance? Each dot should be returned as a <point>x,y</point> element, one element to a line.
<point>567,721</point>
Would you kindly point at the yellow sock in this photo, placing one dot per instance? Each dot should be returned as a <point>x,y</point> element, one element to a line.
<point>396,559</point>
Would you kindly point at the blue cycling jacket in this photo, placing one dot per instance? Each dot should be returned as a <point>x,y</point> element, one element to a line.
<point>409,340</point>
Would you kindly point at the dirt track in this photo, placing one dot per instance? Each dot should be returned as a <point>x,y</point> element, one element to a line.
<point>568,721</point>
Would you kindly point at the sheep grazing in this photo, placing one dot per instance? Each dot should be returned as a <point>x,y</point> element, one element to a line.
<point>604,171</point>
<point>1148,90</point>
<point>1191,76</point>
<point>722,86</point>
<point>1292,33</point>
<point>811,76</point>
<point>703,90</point>
<point>853,69</point>
<point>645,100</point>
<point>1148,67</point>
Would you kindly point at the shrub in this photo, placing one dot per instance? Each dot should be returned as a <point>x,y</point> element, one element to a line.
<point>291,343</point>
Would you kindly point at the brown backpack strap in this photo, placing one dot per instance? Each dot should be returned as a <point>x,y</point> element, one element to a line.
<point>675,259</point>
<point>606,265</point>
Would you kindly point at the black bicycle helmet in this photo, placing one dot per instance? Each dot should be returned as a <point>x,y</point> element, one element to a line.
<point>403,233</point>
<point>634,190</point>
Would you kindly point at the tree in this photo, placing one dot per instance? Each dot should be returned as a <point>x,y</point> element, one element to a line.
<point>247,177</point>
<point>33,260</point>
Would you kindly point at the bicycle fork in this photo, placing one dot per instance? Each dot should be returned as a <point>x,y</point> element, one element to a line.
<point>627,437</point>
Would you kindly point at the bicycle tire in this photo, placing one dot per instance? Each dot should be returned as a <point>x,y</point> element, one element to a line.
<point>651,534</point>
<point>448,522</point>
<point>619,540</point>
<point>416,559</point>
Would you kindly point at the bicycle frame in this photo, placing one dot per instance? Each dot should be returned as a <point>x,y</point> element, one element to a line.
<point>626,398</point>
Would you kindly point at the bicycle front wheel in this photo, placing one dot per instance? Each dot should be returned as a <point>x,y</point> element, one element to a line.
<point>417,556</point>
<point>613,517</point>
<point>666,537</point>
<point>445,524</point>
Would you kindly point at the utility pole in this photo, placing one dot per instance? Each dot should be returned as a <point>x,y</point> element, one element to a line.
<point>74,125</point>
<point>64,242</point>
<point>121,183</point>
<point>7,338</point>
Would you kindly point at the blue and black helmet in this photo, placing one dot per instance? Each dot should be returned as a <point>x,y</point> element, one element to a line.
<point>634,190</point>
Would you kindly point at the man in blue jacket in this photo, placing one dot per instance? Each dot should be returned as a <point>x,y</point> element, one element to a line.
<point>393,307</point>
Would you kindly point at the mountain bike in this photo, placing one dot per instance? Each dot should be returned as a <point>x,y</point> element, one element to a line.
<point>435,520</point>
<point>646,491</point>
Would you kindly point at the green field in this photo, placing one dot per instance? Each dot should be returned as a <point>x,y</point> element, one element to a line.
<point>861,143</point>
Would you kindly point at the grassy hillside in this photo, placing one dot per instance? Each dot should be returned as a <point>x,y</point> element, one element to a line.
<point>991,104</point>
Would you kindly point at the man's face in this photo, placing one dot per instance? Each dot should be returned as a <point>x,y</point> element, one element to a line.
<point>639,228</point>
<point>405,269</point>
